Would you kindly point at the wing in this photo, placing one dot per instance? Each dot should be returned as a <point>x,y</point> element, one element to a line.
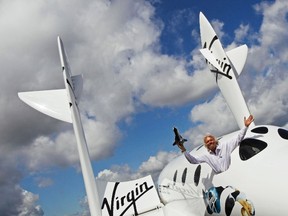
<point>52,102</point>
<point>237,57</point>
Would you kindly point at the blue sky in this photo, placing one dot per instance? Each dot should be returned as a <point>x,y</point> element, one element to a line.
<point>143,74</point>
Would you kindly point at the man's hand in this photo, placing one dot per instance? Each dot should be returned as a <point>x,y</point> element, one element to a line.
<point>248,121</point>
<point>181,147</point>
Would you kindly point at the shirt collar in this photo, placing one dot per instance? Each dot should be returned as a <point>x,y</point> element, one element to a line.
<point>217,150</point>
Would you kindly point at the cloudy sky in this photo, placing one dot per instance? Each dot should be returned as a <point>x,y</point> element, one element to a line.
<point>143,74</point>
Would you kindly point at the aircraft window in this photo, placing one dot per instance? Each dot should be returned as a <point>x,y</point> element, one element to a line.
<point>175,176</point>
<point>184,176</point>
<point>283,133</point>
<point>197,175</point>
<point>260,130</point>
<point>250,147</point>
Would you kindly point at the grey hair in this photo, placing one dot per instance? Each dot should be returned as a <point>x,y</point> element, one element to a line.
<point>209,135</point>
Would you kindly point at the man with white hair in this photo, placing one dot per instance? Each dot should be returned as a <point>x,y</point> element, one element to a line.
<point>219,153</point>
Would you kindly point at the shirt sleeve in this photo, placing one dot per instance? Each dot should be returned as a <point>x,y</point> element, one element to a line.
<point>191,158</point>
<point>236,141</point>
<point>241,134</point>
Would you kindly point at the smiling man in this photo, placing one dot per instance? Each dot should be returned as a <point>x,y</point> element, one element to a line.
<point>219,153</point>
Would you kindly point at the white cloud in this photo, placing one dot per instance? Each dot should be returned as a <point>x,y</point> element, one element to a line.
<point>212,117</point>
<point>152,166</point>
<point>28,206</point>
<point>44,182</point>
<point>15,200</point>
<point>241,33</point>
<point>269,61</point>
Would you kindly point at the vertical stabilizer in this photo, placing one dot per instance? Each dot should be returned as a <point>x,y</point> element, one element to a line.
<point>62,104</point>
<point>225,67</point>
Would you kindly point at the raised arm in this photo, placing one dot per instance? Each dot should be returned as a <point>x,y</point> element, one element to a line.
<point>188,156</point>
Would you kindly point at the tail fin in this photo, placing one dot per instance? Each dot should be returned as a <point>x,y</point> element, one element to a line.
<point>76,81</point>
<point>53,103</point>
<point>226,66</point>
<point>56,103</point>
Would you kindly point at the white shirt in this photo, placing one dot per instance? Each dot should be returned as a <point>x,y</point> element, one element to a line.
<point>221,159</point>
